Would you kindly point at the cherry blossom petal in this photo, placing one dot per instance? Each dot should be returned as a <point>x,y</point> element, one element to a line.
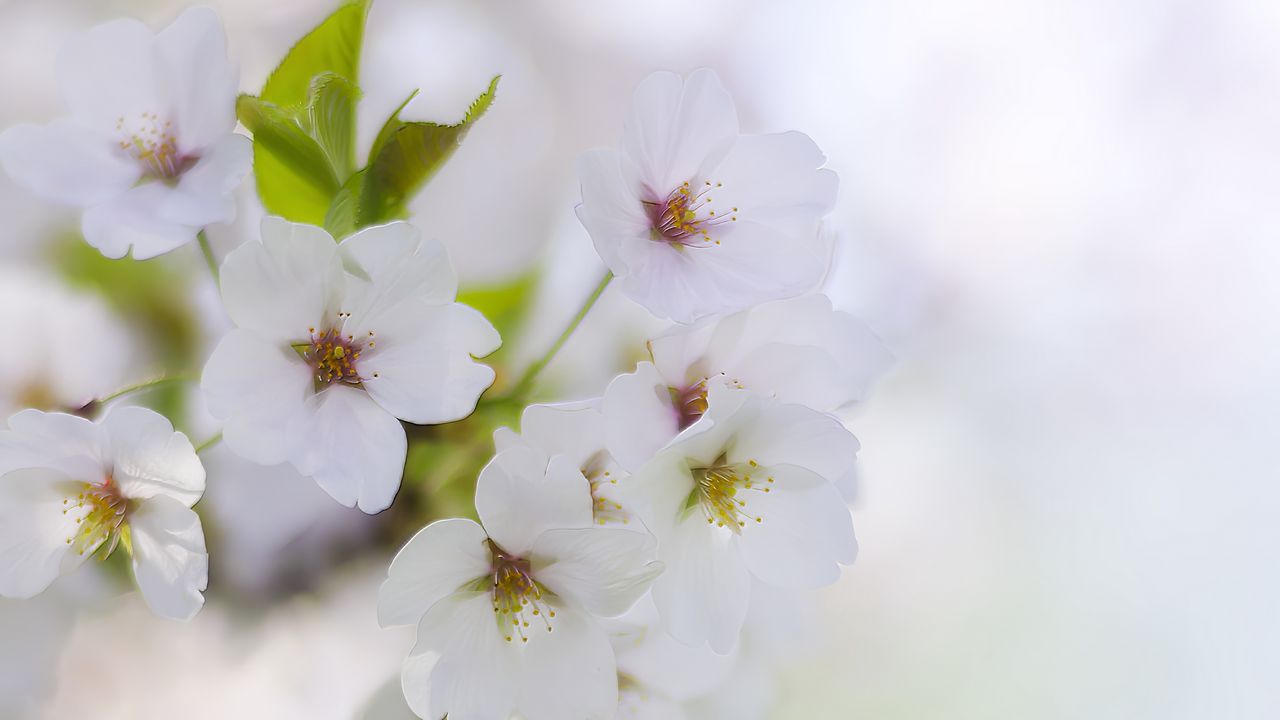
<point>461,665</point>
<point>797,435</point>
<point>806,531</point>
<point>204,193</point>
<point>34,528</point>
<point>639,417</point>
<point>603,570</point>
<point>66,162</point>
<point>71,445</point>
<point>353,448</point>
<point>258,389</point>
<point>678,129</point>
<point>519,496</point>
<point>441,559</point>
<point>422,369</point>
<point>569,672</point>
<point>169,558</point>
<point>285,285</point>
<point>195,75</point>
<point>392,263</point>
<point>109,73</point>
<point>703,594</point>
<point>151,459</point>
<point>131,222</point>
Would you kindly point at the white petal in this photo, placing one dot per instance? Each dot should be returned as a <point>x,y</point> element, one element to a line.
<point>461,665</point>
<point>677,130</point>
<point>285,285</point>
<point>69,444</point>
<point>788,434</point>
<point>196,77</point>
<point>519,496</point>
<point>65,162</point>
<point>395,262</point>
<point>569,672</point>
<point>806,531</point>
<point>574,429</point>
<point>34,530</point>
<point>151,459</point>
<point>755,262</point>
<point>640,703</point>
<point>603,570</point>
<point>109,73</point>
<point>704,593</point>
<point>169,558</point>
<point>203,195</point>
<point>353,448</point>
<point>258,389</point>
<point>133,220</point>
<point>421,369</point>
<point>639,418</point>
<point>777,180</point>
<point>612,208</point>
<point>438,561</point>
<point>669,283</point>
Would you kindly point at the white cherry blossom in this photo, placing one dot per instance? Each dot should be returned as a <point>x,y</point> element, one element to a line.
<point>575,430</point>
<point>56,325</point>
<point>335,344</point>
<point>147,148</point>
<point>747,490</point>
<point>695,219</point>
<point>507,610</point>
<point>797,350</point>
<point>70,488</point>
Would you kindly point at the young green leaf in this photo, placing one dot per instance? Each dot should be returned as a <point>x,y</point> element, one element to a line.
<point>331,120</point>
<point>294,176</point>
<point>332,47</point>
<point>406,155</point>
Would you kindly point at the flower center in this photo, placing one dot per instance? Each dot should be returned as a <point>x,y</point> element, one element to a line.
<point>516,595</point>
<point>104,519</point>
<point>334,357</point>
<point>152,143</point>
<point>604,509</point>
<point>721,491</point>
<point>690,403</point>
<point>687,217</point>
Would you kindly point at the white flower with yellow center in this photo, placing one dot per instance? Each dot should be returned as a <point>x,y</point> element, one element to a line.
<point>336,343</point>
<point>70,488</point>
<point>797,350</point>
<point>506,611</point>
<point>575,430</point>
<point>148,148</point>
<point>746,491</point>
<point>695,219</point>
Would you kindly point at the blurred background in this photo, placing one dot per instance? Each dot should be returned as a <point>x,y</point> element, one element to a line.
<point>1062,218</point>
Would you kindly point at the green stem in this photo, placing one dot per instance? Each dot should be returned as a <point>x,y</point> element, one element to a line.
<point>522,388</point>
<point>207,250</point>
<point>145,385</point>
<point>209,443</point>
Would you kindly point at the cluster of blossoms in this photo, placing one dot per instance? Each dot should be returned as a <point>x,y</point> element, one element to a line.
<point>622,539</point>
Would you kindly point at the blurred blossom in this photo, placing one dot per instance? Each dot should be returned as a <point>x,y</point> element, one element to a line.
<point>73,348</point>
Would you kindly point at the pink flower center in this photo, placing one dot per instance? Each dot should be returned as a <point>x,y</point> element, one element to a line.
<point>106,511</point>
<point>334,357</point>
<point>517,597</point>
<point>153,144</point>
<point>687,216</point>
<point>690,403</point>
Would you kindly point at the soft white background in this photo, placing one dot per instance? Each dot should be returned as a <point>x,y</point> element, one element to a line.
<point>1063,218</point>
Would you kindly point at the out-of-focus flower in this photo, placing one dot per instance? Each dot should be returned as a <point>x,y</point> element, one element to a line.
<point>506,612</point>
<point>575,430</point>
<point>70,487</point>
<point>148,148</point>
<point>797,350</point>
<point>697,220</point>
<point>334,343</point>
<point>746,491</point>
<point>657,674</point>
<point>73,348</point>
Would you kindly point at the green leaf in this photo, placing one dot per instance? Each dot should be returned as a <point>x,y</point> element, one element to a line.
<point>294,176</point>
<point>331,120</point>
<point>314,89</point>
<point>332,47</point>
<point>343,217</point>
<point>406,155</point>
<point>505,304</point>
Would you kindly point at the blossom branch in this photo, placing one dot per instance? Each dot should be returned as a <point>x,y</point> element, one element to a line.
<point>525,385</point>
<point>145,385</point>
<point>207,250</point>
